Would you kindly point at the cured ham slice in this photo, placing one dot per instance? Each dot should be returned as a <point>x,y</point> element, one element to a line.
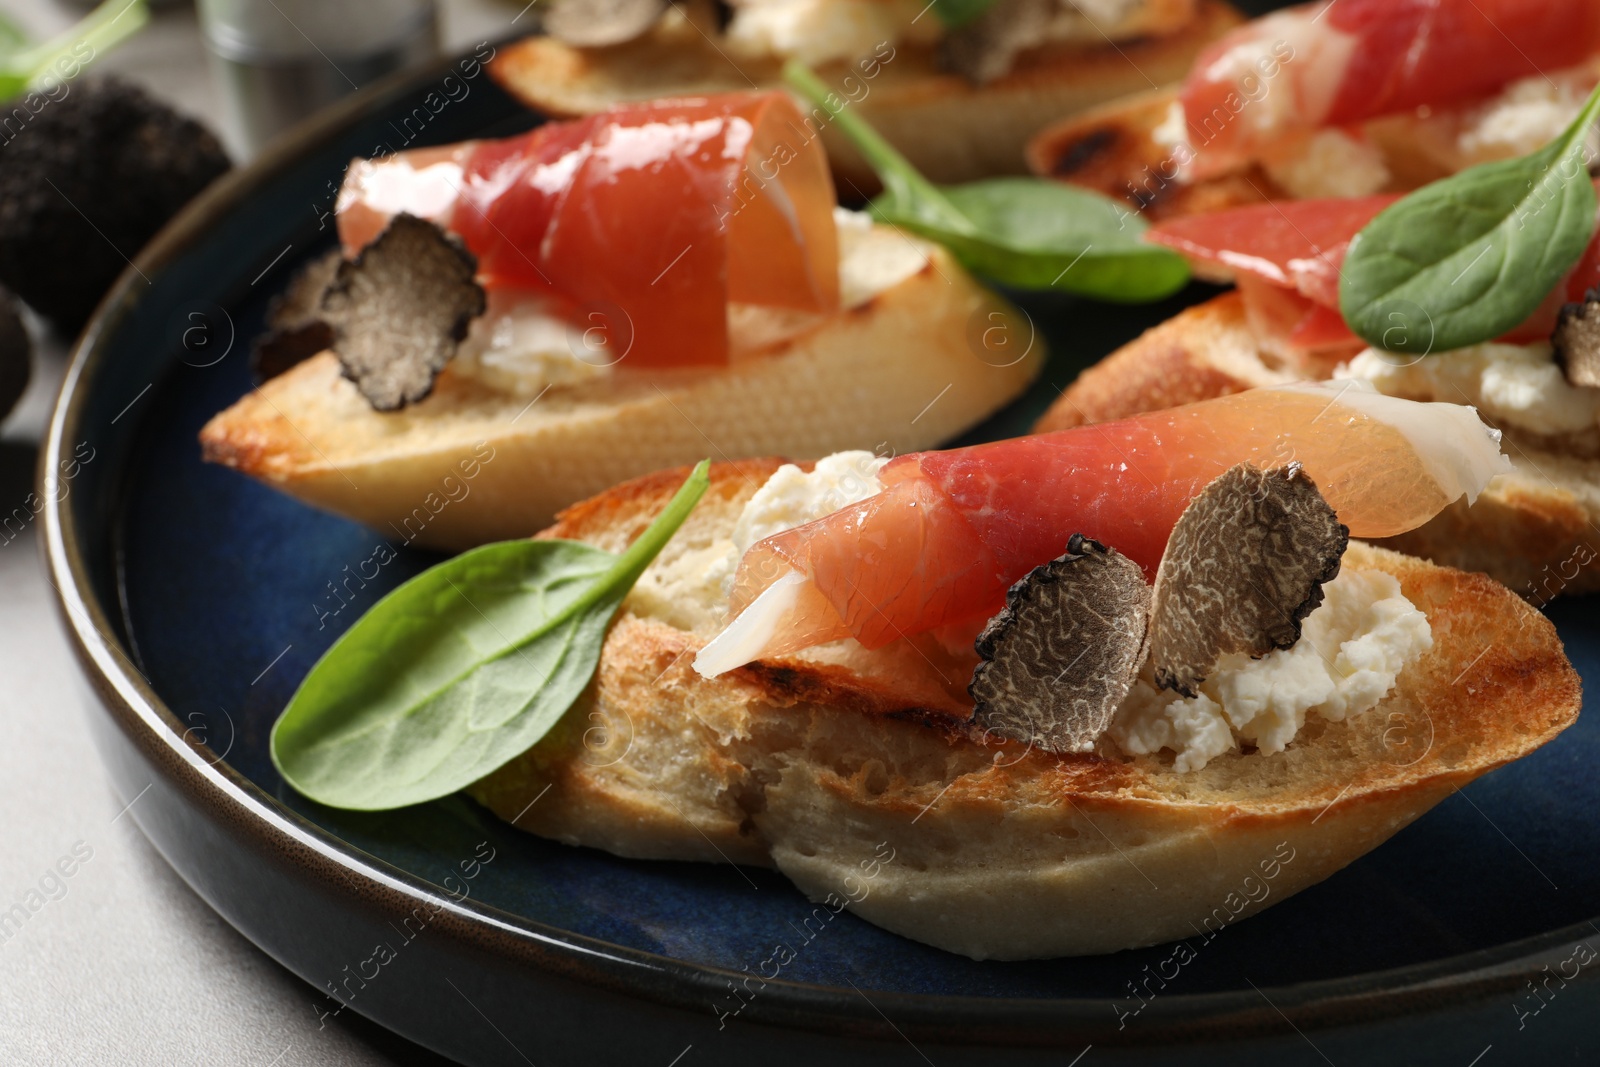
<point>951,531</point>
<point>1286,257</point>
<point>1287,254</point>
<point>654,216</point>
<point>1295,244</point>
<point>1346,61</point>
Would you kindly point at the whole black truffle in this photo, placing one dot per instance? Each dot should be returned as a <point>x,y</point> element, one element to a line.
<point>85,182</point>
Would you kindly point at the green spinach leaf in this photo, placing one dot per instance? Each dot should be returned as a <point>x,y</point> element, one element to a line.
<point>1028,233</point>
<point>460,669</point>
<point>64,55</point>
<point>1033,234</point>
<point>1471,256</point>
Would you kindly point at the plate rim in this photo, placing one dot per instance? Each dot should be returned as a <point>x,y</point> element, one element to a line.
<point>140,714</point>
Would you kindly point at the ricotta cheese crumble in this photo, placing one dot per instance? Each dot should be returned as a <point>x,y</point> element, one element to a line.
<point>519,347</point>
<point>1351,649</point>
<point>1517,386</point>
<point>825,31</point>
<point>821,31</point>
<point>793,497</point>
<point>1330,162</point>
<point>691,590</point>
<point>1525,116</point>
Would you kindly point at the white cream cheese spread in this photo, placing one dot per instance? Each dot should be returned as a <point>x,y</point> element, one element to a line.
<point>821,31</point>
<point>1516,386</point>
<point>1525,116</point>
<point>825,31</point>
<point>692,589</point>
<point>1330,162</point>
<point>1352,648</point>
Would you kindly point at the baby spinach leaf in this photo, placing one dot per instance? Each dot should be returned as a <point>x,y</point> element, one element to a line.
<point>1471,256</point>
<point>103,28</point>
<point>460,669</point>
<point>1028,233</point>
<point>1034,234</point>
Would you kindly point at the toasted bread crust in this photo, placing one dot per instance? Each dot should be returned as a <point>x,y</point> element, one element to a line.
<point>1535,530</point>
<point>470,464</point>
<point>951,130</point>
<point>989,849</point>
<point>1113,149</point>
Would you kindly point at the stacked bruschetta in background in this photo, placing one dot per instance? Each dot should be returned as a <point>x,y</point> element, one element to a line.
<point>1348,98</point>
<point>959,88</point>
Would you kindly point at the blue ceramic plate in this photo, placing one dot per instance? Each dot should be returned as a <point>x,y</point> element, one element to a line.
<point>199,599</point>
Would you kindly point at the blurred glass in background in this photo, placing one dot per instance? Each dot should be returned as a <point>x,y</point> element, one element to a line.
<point>277,61</point>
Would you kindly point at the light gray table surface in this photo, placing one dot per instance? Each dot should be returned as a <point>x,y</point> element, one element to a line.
<point>124,964</point>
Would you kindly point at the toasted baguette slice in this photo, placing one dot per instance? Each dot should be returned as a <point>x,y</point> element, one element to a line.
<point>997,851</point>
<point>1532,529</point>
<point>951,130</point>
<point>471,464</point>
<point>1112,149</point>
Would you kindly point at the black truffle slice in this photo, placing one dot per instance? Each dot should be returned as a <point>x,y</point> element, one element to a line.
<point>1576,340</point>
<point>86,180</point>
<point>400,308</point>
<point>597,23</point>
<point>985,48</point>
<point>1245,565</point>
<point>1063,652</point>
<point>16,355</point>
<point>296,330</point>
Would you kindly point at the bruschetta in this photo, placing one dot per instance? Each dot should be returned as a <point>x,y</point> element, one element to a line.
<point>960,103</point>
<point>1535,527</point>
<point>1337,98</point>
<point>516,325</point>
<point>859,767</point>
